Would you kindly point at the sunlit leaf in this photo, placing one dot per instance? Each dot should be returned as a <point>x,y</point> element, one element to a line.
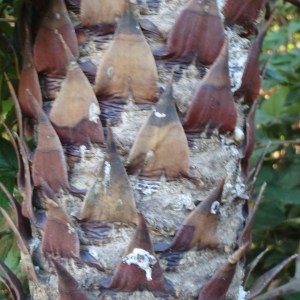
<point>295,221</point>
<point>12,259</point>
<point>6,242</point>
<point>275,105</point>
<point>263,118</point>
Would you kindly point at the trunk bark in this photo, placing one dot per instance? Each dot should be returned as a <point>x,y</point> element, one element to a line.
<point>163,243</point>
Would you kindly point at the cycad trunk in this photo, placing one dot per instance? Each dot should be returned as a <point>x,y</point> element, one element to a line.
<point>109,221</point>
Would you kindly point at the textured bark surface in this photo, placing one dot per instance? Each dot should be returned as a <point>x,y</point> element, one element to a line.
<point>164,203</point>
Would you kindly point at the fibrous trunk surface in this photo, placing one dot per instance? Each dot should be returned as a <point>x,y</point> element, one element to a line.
<point>128,225</point>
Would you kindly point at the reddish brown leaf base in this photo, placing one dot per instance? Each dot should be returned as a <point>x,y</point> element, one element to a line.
<point>198,31</point>
<point>213,104</point>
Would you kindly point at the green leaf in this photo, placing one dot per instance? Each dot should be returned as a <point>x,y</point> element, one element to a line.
<point>293,26</point>
<point>293,109</point>
<point>12,259</point>
<point>8,169</point>
<point>6,106</point>
<point>9,183</point>
<point>262,118</point>
<point>294,211</point>
<point>273,77</point>
<point>6,242</point>
<point>268,217</point>
<point>282,61</point>
<point>274,38</point>
<point>266,175</point>
<point>258,152</point>
<point>8,159</point>
<point>281,196</point>
<point>273,258</point>
<point>292,297</point>
<point>291,177</point>
<point>275,105</point>
<point>293,222</point>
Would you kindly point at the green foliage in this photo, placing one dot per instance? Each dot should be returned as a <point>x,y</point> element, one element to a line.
<point>8,168</point>
<point>8,65</point>
<point>277,223</point>
<point>9,252</point>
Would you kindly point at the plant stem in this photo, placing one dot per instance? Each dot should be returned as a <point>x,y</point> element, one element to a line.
<point>293,286</point>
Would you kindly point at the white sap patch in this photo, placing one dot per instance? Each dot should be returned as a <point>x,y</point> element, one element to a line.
<point>159,115</point>
<point>110,72</point>
<point>215,207</point>
<point>94,112</point>
<point>107,168</point>
<point>34,244</point>
<point>120,201</point>
<point>71,229</point>
<point>142,259</point>
<point>242,294</point>
<point>149,155</point>
<point>82,150</point>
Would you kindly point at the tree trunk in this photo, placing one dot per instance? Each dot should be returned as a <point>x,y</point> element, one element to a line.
<point>110,224</point>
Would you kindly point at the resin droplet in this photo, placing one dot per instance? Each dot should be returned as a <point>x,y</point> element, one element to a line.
<point>217,286</point>
<point>200,227</point>
<point>127,67</point>
<point>28,79</point>
<point>47,44</point>
<point>75,111</point>
<point>68,287</point>
<point>60,237</point>
<point>111,198</point>
<point>94,12</point>
<point>139,269</point>
<point>198,31</point>
<point>251,79</point>
<point>213,104</point>
<point>242,12</point>
<point>161,146</point>
<point>49,164</point>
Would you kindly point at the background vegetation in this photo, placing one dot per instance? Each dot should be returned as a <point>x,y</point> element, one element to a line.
<point>277,223</point>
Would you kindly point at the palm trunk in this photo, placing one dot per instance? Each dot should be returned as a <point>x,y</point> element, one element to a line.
<point>179,218</point>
